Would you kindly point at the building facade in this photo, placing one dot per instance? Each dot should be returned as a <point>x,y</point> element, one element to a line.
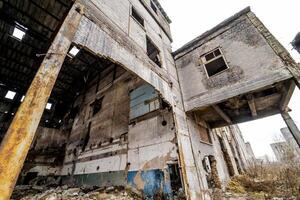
<point>124,108</point>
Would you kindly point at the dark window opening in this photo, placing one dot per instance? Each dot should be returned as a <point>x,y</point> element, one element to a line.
<point>87,137</point>
<point>137,16</point>
<point>153,6</point>
<point>29,176</point>
<point>153,52</point>
<point>216,66</point>
<point>97,105</point>
<point>175,177</point>
<point>209,56</point>
<point>214,63</point>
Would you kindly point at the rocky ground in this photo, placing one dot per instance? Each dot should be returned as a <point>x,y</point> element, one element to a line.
<point>26,192</point>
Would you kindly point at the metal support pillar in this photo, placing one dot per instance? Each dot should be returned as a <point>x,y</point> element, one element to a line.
<point>19,136</point>
<point>291,126</point>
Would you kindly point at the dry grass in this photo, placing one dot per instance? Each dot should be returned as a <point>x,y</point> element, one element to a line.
<point>281,180</point>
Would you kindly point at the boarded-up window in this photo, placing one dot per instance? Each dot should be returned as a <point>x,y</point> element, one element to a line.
<point>204,134</point>
<point>214,62</point>
<point>143,100</point>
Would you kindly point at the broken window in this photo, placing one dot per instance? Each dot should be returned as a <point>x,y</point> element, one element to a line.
<point>153,6</point>
<point>204,135</point>
<point>97,105</point>
<point>137,16</point>
<point>153,52</point>
<point>214,62</point>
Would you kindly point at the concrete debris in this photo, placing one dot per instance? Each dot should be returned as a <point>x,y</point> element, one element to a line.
<point>25,192</point>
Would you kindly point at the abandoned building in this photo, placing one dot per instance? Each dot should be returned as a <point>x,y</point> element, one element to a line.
<point>288,149</point>
<point>91,92</point>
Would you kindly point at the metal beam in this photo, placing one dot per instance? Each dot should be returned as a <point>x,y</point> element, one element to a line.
<point>291,126</point>
<point>222,114</point>
<point>19,136</point>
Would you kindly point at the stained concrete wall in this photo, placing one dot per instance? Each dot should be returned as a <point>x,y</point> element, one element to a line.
<point>98,143</point>
<point>252,64</point>
<point>104,36</point>
<point>123,40</point>
<point>117,150</point>
<point>46,153</point>
<point>47,138</point>
<point>203,149</point>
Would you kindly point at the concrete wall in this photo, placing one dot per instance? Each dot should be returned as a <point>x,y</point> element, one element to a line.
<point>151,148</point>
<point>203,149</point>
<point>110,38</point>
<point>252,64</point>
<point>104,136</point>
<point>47,138</point>
<point>116,150</point>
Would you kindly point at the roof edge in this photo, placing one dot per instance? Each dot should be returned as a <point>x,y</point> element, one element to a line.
<point>162,11</point>
<point>214,29</point>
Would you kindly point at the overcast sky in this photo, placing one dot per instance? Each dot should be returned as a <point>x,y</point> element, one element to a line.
<point>190,18</point>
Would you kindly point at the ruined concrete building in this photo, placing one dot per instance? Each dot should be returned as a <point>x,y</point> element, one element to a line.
<point>92,93</point>
<point>288,149</point>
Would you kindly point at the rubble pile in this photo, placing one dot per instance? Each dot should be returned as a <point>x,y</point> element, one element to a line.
<point>71,193</point>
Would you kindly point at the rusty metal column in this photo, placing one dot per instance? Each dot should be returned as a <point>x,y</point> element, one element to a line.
<point>291,126</point>
<point>19,136</point>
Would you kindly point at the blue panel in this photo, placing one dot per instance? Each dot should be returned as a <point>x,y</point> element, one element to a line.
<point>138,99</point>
<point>154,183</point>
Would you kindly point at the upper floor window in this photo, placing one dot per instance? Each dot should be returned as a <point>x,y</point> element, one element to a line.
<point>153,52</point>
<point>153,6</point>
<point>214,62</point>
<point>137,16</point>
<point>97,105</point>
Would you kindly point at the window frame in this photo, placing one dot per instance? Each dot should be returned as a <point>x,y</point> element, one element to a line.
<point>134,10</point>
<point>205,62</point>
<point>159,52</point>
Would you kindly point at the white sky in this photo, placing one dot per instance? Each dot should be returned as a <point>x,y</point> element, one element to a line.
<point>190,18</point>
